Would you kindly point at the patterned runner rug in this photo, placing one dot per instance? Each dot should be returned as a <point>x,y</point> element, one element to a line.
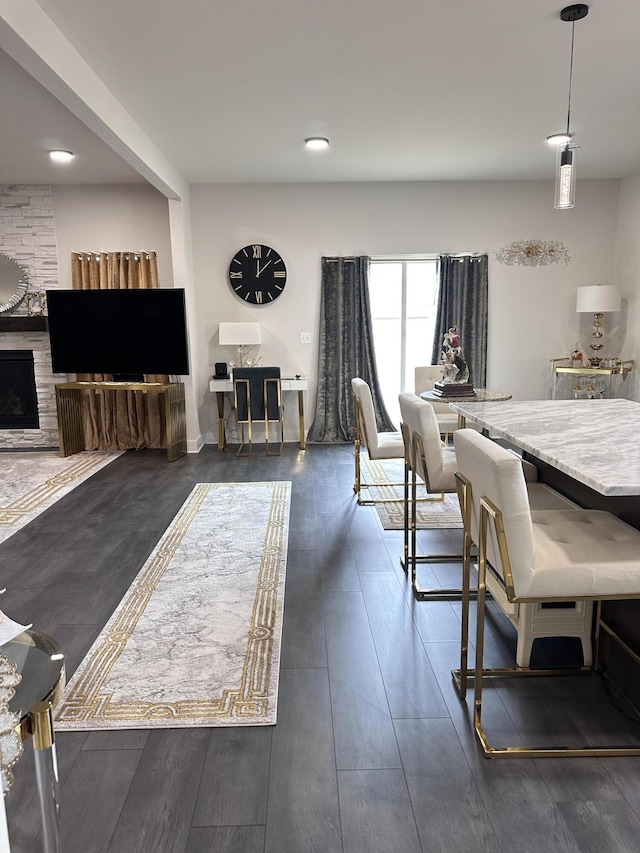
<point>32,482</point>
<point>196,639</point>
<point>430,514</point>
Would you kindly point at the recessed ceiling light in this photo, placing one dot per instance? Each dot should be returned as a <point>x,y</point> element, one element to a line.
<point>317,143</point>
<point>60,156</point>
<point>559,138</point>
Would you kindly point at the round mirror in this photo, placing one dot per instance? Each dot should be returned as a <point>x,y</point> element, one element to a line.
<point>13,283</point>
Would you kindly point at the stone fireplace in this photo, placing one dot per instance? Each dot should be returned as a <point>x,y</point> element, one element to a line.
<point>28,235</point>
<point>33,348</point>
<point>18,398</point>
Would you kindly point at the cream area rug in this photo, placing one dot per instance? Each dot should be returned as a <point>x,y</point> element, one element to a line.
<point>430,514</point>
<point>196,639</point>
<point>32,482</point>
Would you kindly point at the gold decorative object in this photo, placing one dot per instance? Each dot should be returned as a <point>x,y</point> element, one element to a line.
<point>36,303</point>
<point>533,253</point>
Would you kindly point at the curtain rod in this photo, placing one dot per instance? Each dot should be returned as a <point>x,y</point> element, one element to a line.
<point>461,255</point>
<point>423,256</point>
<point>431,256</point>
<point>97,255</point>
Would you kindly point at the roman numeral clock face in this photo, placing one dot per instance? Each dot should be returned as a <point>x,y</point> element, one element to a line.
<point>257,274</point>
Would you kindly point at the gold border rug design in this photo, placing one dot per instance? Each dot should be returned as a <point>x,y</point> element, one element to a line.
<point>196,639</point>
<point>32,482</point>
<point>430,514</point>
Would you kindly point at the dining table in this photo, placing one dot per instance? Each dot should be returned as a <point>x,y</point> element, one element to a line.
<point>593,441</point>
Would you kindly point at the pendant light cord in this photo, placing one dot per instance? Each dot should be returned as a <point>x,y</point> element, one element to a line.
<point>573,30</point>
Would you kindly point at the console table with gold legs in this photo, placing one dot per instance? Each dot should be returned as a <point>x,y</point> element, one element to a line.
<point>71,418</point>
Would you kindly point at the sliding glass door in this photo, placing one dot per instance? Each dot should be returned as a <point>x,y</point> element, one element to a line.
<point>404,296</point>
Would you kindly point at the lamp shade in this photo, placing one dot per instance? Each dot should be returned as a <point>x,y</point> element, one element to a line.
<point>598,298</point>
<point>239,334</point>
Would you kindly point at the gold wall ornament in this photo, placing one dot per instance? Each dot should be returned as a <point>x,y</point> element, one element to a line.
<point>533,253</point>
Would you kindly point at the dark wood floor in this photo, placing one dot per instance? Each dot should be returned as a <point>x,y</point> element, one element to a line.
<point>372,752</point>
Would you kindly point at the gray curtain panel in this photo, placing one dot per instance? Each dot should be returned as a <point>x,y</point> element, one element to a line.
<point>463,301</point>
<point>346,350</point>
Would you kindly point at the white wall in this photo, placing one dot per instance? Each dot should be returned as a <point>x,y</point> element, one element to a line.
<point>532,309</point>
<point>627,274</point>
<point>112,219</point>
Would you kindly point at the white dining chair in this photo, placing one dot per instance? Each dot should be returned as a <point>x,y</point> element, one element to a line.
<point>425,377</point>
<point>426,459</point>
<point>540,556</point>
<point>379,445</point>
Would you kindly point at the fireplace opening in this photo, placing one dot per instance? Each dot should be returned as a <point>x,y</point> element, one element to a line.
<point>18,396</point>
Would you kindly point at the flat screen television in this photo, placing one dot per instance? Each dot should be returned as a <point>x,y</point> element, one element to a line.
<point>126,333</point>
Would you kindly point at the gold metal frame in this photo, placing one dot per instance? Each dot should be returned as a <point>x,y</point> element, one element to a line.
<point>359,484</point>
<point>559,365</point>
<point>70,411</point>
<point>266,421</point>
<point>489,512</point>
<point>413,450</point>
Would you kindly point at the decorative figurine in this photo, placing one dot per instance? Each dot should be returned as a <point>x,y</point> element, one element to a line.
<point>577,356</point>
<point>454,367</point>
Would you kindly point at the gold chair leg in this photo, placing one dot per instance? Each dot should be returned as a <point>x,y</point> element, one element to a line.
<point>480,674</point>
<point>463,673</point>
<point>248,445</point>
<point>404,559</point>
<point>277,452</point>
<point>480,614</point>
<point>360,484</point>
<point>356,453</point>
<point>411,559</point>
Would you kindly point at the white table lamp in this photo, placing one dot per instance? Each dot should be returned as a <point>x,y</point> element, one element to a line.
<point>598,299</point>
<point>244,336</point>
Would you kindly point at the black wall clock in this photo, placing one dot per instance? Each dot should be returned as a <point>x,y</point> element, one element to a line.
<point>257,274</point>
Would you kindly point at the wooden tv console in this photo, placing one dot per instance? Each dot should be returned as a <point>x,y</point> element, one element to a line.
<point>71,421</point>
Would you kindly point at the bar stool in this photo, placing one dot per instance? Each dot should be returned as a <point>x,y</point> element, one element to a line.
<point>379,445</point>
<point>428,459</point>
<point>425,378</point>
<point>541,556</point>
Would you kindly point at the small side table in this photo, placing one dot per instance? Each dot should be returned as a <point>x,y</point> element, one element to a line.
<point>40,661</point>
<point>481,395</point>
<point>562,366</point>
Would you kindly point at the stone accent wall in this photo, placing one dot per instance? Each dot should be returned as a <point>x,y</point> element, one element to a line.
<point>28,235</point>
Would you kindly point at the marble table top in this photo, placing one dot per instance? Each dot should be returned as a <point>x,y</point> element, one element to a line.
<point>594,441</point>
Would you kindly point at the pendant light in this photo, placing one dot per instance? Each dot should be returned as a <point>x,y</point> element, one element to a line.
<point>565,163</point>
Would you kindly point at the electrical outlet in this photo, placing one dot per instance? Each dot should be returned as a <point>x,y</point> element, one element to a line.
<point>305,337</point>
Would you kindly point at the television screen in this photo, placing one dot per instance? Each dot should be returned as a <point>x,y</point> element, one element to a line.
<point>122,332</point>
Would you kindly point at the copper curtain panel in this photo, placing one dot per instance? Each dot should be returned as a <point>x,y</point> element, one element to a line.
<point>463,300</point>
<point>119,420</point>
<point>346,350</point>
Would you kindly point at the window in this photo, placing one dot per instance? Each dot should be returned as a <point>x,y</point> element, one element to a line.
<point>404,296</point>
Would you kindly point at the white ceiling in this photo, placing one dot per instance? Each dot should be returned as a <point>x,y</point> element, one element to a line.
<point>405,90</point>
